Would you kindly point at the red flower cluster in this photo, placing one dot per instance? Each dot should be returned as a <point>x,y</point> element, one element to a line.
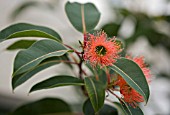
<point>129,94</point>
<point>99,50</point>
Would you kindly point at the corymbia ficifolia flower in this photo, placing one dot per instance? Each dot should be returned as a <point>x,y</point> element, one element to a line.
<point>100,50</point>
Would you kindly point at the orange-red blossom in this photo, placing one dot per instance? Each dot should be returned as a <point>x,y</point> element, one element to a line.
<point>130,95</point>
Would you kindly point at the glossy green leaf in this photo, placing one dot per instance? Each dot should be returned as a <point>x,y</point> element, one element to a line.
<point>21,78</point>
<point>96,92</point>
<point>105,110</point>
<point>44,106</point>
<point>133,75</point>
<point>21,44</point>
<point>75,11</point>
<point>34,55</point>
<point>28,30</point>
<point>57,81</point>
<point>125,109</point>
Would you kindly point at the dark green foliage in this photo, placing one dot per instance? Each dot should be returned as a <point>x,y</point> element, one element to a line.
<point>44,106</point>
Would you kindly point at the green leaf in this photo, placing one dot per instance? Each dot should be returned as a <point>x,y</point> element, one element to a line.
<point>88,108</point>
<point>21,78</point>
<point>100,72</point>
<point>108,110</point>
<point>120,108</point>
<point>133,75</point>
<point>75,11</point>
<point>96,92</point>
<point>28,30</point>
<point>39,51</point>
<point>125,109</point>
<point>105,110</point>
<point>111,29</point>
<point>44,106</point>
<point>57,81</point>
<point>21,44</point>
<point>102,76</point>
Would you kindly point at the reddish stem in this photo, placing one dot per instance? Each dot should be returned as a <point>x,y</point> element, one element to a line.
<point>120,99</point>
<point>81,71</point>
<point>78,53</point>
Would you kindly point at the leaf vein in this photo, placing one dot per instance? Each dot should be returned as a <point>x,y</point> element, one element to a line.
<point>40,58</point>
<point>94,91</point>
<point>32,30</point>
<point>130,79</point>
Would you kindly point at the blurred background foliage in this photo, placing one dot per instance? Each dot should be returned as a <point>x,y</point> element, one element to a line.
<point>131,23</point>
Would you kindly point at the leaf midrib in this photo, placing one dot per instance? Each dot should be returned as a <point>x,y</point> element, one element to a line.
<point>131,80</point>
<point>127,107</point>
<point>37,59</point>
<point>60,84</point>
<point>35,68</point>
<point>33,30</point>
<point>95,92</point>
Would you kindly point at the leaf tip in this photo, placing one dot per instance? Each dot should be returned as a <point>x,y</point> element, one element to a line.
<point>31,90</point>
<point>146,102</point>
<point>13,91</point>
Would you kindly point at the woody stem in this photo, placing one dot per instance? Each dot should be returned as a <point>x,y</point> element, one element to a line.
<point>80,55</point>
<point>80,67</point>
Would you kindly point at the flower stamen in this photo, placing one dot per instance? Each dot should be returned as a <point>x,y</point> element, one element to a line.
<point>101,50</point>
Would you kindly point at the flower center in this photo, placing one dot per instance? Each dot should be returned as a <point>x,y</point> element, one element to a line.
<point>100,50</point>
